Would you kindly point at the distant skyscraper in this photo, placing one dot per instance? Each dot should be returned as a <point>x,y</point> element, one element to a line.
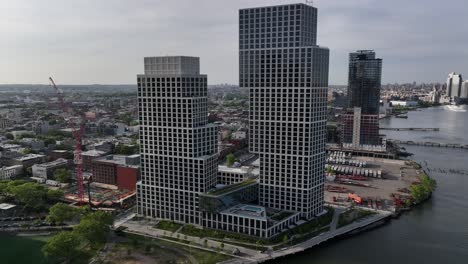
<point>364,81</point>
<point>178,147</point>
<point>361,122</point>
<point>454,85</point>
<point>464,91</point>
<point>287,74</point>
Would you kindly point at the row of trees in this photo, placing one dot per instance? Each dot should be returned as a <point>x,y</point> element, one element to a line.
<point>126,149</point>
<point>31,195</point>
<point>90,234</point>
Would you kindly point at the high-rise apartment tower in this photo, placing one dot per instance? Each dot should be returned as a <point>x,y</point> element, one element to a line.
<point>287,75</point>
<point>178,146</point>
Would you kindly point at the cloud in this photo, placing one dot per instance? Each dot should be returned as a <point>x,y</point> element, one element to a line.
<point>104,41</point>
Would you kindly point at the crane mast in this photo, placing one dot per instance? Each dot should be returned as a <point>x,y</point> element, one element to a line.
<point>77,132</point>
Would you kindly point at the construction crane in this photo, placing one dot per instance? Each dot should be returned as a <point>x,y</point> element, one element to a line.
<point>77,132</point>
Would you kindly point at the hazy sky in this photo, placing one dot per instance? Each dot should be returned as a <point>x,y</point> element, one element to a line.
<point>104,41</point>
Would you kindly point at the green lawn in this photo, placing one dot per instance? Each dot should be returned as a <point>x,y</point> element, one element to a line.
<point>22,250</point>
<point>168,225</point>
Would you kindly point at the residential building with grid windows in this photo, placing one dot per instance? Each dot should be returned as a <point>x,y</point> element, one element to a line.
<point>287,75</point>
<point>178,147</point>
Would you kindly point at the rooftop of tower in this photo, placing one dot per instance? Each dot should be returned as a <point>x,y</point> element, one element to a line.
<point>283,5</point>
<point>171,65</point>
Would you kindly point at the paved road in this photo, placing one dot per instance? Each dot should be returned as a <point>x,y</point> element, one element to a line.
<point>121,220</point>
<point>336,216</point>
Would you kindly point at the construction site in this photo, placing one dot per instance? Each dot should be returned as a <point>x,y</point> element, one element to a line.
<point>102,196</point>
<point>370,182</point>
<point>85,191</point>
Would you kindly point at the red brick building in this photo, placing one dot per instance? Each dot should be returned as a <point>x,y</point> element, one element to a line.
<point>117,170</point>
<point>368,129</point>
<point>127,177</point>
<point>89,156</point>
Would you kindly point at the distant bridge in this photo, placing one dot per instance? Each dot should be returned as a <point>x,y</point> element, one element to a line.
<point>428,144</point>
<point>423,129</point>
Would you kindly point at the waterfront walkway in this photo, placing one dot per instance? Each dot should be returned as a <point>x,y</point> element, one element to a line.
<point>420,129</point>
<point>248,255</point>
<point>323,237</point>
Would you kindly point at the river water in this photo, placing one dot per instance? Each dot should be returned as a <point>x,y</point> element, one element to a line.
<point>434,232</point>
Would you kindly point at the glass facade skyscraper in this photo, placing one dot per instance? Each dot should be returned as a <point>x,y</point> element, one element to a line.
<point>454,85</point>
<point>364,81</point>
<point>361,122</point>
<point>287,75</point>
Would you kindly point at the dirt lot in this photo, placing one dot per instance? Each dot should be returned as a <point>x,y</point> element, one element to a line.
<point>133,249</point>
<point>396,175</point>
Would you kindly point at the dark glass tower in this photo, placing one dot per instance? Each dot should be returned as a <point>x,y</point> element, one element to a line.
<point>364,81</point>
<point>287,75</point>
<point>361,122</point>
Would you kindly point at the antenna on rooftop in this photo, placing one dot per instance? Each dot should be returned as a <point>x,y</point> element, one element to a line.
<point>309,2</point>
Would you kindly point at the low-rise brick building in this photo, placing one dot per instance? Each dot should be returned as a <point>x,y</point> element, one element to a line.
<point>119,170</point>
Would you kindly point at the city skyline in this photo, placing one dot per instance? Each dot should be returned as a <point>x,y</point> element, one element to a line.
<point>90,35</point>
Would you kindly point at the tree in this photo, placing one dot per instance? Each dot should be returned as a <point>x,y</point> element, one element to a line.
<point>64,245</point>
<point>31,195</point>
<point>60,213</point>
<point>54,195</point>
<point>126,150</point>
<point>49,141</point>
<point>428,183</point>
<point>230,159</point>
<point>229,136</point>
<point>9,136</point>
<point>148,248</point>
<point>62,175</point>
<point>26,151</point>
<point>424,189</point>
<point>126,118</point>
<point>94,227</point>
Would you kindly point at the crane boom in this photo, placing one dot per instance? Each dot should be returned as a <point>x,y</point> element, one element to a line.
<point>77,134</point>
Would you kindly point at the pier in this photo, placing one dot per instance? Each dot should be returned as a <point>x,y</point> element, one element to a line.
<point>361,153</point>
<point>418,129</point>
<point>428,144</point>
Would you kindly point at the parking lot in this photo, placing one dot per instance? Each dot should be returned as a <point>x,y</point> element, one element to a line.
<point>396,176</point>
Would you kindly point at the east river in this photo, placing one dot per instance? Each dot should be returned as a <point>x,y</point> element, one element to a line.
<point>434,232</point>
